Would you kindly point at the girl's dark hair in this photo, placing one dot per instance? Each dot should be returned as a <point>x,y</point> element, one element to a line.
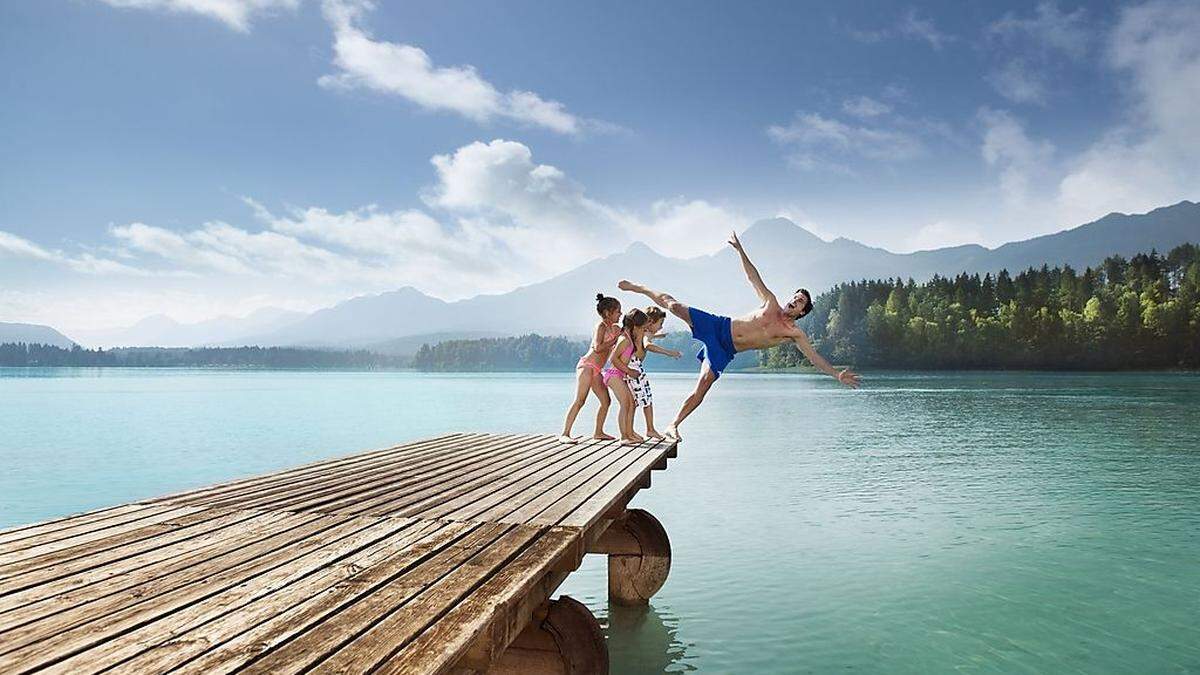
<point>634,318</point>
<point>654,313</point>
<point>605,304</point>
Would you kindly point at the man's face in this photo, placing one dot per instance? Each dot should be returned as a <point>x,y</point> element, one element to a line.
<point>796,306</point>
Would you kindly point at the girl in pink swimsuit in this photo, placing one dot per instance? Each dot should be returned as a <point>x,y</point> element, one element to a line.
<point>634,325</point>
<point>588,371</point>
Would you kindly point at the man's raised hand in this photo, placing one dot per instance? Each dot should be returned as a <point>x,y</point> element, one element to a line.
<point>848,378</point>
<point>734,241</point>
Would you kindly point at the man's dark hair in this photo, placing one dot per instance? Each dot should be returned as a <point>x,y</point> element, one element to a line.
<point>808,307</point>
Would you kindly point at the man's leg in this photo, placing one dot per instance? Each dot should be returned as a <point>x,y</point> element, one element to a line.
<point>663,300</point>
<point>707,377</point>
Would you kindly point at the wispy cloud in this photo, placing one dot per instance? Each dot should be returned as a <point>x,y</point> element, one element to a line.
<point>407,71</point>
<point>911,26</point>
<point>1154,157</point>
<point>1019,158</point>
<point>865,107</point>
<point>493,219</point>
<point>819,142</point>
<point>14,246</point>
<point>237,14</point>
<point>1032,47</point>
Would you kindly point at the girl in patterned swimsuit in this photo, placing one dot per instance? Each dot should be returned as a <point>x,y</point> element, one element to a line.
<point>621,369</point>
<point>640,386</point>
<point>589,369</point>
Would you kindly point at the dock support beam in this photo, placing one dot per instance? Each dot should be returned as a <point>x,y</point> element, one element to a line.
<point>563,639</point>
<point>639,557</point>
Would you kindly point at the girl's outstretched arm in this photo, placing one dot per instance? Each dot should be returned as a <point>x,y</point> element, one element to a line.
<point>651,347</point>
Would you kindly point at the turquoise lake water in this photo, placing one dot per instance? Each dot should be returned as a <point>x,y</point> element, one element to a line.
<point>927,523</point>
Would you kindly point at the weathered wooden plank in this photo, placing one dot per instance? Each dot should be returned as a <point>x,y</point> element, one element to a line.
<point>463,504</point>
<point>305,567</point>
<point>314,645</point>
<point>248,644</point>
<point>163,515</point>
<point>299,471</point>
<point>395,629</point>
<point>48,563</point>
<point>193,634</point>
<point>99,616</point>
<point>432,492</point>
<point>357,496</point>
<point>245,492</point>
<point>19,532</point>
<point>587,504</point>
<point>516,494</point>
<point>244,582</point>
<point>82,572</point>
<point>487,620</point>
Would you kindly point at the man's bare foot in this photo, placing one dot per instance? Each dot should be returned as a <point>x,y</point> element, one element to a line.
<point>673,433</point>
<point>604,437</point>
<point>654,434</point>
<point>625,285</point>
<point>567,439</point>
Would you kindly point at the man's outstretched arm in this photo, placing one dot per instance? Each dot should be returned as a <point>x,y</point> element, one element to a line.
<point>752,274</point>
<point>845,376</point>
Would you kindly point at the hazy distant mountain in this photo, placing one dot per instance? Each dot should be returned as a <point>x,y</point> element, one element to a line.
<point>787,255</point>
<point>408,345</point>
<point>163,331</point>
<point>32,333</point>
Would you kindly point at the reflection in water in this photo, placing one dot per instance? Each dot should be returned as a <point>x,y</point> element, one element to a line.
<point>644,640</point>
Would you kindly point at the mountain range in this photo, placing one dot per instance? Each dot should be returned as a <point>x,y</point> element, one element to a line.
<point>32,333</point>
<point>787,255</point>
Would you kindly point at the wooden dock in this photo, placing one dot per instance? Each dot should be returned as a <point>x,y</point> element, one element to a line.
<point>431,557</point>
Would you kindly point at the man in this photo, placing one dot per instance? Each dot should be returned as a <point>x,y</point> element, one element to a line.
<point>768,326</point>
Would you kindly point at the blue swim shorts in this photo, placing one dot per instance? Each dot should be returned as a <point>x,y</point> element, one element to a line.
<point>716,332</point>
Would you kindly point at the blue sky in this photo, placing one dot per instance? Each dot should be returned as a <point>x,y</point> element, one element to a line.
<point>206,157</point>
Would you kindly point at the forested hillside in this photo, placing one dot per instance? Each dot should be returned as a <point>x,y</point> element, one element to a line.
<point>1143,312</point>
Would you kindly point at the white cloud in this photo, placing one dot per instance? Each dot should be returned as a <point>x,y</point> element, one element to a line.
<point>408,71</point>
<point>910,26</point>
<point>1019,158</point>
<point>1048,30</point>
<point>236,14</point>
<point>495,219</point>
<point>84,263</point>
<point>531,207</point>
<point>1032,48</point>
<point>1154,158</point>
<point>914,27</point>
<point>1019,83</point>
<point>865,107</point>
<point>820,142</point>
<point>943,233</point>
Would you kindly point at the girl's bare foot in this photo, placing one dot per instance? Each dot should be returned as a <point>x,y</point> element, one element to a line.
<point>654,434</point>
<point>638,438</point>
<point>567,439</point>
<point>673,433</point>
<point>604,437</point>
<point>630,441</point>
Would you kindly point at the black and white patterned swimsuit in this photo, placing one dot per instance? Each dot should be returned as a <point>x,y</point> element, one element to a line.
<point>640,385</point>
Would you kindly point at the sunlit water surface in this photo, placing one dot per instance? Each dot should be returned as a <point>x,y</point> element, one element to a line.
<point>979,522</point>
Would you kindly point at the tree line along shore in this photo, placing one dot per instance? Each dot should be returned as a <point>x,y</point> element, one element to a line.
<point>1136,313</point>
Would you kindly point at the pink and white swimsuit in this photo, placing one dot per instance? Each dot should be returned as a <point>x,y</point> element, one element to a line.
<point>611,371</point>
